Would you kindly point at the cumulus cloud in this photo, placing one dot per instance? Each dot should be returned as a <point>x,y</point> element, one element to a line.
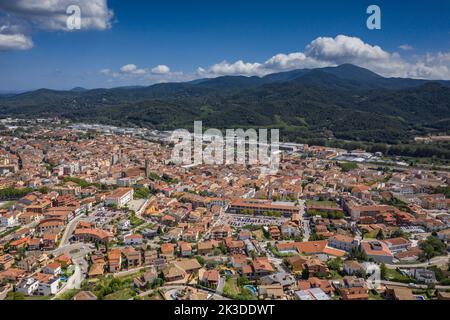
<point>132,72</point>
<point>11,38</point>
<point>328,51</point>
<point>26,16</point>
<point>161,69</point>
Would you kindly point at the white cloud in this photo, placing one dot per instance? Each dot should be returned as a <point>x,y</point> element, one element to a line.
<point>11,38</point>
<point>161,69</point>
<point>52,15</point>
<point>406,47</point>
<point>327,51</point>
<point>131,73</point>
<point>19,18</point>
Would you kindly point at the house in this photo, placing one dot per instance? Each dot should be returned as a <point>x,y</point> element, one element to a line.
<point>150,257</point>
<point>396,245</point>
<point>312,294</point>
<point>27,286</point>
<point>7,220</point>
<point>424,276</point>
<point>84,296</point>
<point>132,257</point>
<point>146,279</point>
<point>34,244</point>
<point>220,232</point>
<point>271,292</point>
<point>296,263</point>
<point>352,267</point>
<point>399,293</point>
<point>48,284</point>
<point>210,278</point>
<point>133,239</point>
<point>97,270</point>
<point>290,230</point>
<point>238,260</point>
<point>274,232</point>
<point>53,269</point>
<point>315,267</point>
<point>378,251</point>
<point>64,259</point>
<point>284,279</point>
<point>188,265</point>
<point>313,282</point>
<point>343,242</point>
<point>261,267</point>
<point>352,288</point>
<point>115,260</point>
<point>173,272</point>
<point>168,250</point>
<point>6,262</point>
<point>205,247</point>
<point>185,249</point>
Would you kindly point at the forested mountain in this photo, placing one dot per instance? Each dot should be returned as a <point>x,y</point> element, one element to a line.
<point>345,102</point>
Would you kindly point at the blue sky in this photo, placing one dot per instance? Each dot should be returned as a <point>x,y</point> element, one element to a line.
<point>144,42</point>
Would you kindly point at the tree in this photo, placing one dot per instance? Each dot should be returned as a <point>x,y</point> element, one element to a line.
<point>383,271</point>
<point>335,264</point>
<point>380,235</point>
<point>305,274</point>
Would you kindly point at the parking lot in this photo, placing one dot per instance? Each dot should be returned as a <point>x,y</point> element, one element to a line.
<point>238,221</point>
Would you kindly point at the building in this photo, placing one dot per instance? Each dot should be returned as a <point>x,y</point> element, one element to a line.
<point>396,245</point>
<point>352,288</point>
<point>115,260</point>
<point>133,239</point>
<point>263,207</point>
<point>6,261</point>
<point>378,251</point>
<point>94,235</point>
<point>120,197</point>
<point>343,242</point>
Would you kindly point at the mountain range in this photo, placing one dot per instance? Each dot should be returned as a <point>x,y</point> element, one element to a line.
<point>344,103</point>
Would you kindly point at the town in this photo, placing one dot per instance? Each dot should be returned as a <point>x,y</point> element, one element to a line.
<point>92,212</point>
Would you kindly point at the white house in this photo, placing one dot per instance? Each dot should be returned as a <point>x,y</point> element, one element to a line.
<point>28,286</point>
<point>120,197</point>
<point>133,239</point>
<point>7,220</point>
<point>48,286</point>
<point>53,269</point>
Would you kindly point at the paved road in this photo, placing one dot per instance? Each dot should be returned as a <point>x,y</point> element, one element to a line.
<point>415,286</point>
<point>69,230</point>
<point>437,261</point>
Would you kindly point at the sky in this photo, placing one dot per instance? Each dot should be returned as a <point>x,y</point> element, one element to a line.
<point>137,42</point>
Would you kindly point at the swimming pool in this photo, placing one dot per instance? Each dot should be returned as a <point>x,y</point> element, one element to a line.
<point>251,288</point>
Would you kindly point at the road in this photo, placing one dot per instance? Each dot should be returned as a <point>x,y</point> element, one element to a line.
<point>416,286</point>
<point>75,280</point>
<point>437,261</point>
<point>69,230</point>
